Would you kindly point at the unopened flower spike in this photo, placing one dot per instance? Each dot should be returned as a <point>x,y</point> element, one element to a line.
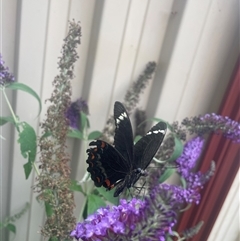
<point>213,123</point>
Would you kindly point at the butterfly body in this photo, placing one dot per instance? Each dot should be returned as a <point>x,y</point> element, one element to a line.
<point>122,165</point>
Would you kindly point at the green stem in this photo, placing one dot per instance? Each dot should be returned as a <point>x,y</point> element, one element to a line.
<point>36,169</point>
<point>16,122</point>
<point>82,209</point>
<point>10,107</point>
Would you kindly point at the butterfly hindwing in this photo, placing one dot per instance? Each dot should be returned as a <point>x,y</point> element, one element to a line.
<point>146,148</point>
<point>123,139</point>
<point>106,164</point>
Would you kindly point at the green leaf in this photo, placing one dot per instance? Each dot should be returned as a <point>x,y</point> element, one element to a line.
<point>166,174</point>
<point>184,182</point>
<point>169,238</point>
<point>4,120</point>
<point>83,121</point>
<point>178,149</point>
<point>53,239</point>
<point>25,88</point>
<point>108,195</point>
<point>48,209</point>
<point>11,228</point>
<point>94,135</point>
<point>74,186</point>
<point>93,203</point>
<point>27,169</point>
<point>85,214</point>
<point>175,234</point>
<point>75,134</point>
<point>186,208</point>
<point>154,119</point>
<point>46,134</point>
<point>28,145</point>
<point>137,138</point>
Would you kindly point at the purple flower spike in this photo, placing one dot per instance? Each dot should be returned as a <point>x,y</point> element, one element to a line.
<point>190,155</point>
<point>73,112</point>
<point>5,76</point>
<point>213,123</point>
<point>229,128</point>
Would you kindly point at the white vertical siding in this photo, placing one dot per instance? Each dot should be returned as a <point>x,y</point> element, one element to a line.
<point>227,225</point>
<point>195,45</point>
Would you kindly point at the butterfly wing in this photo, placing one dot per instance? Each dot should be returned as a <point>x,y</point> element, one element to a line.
<point>105,164</point>
<point>146,148</point>
<point>123,139</point>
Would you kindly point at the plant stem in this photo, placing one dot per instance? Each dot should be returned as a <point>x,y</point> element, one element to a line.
<point>36,169</point>
<point>10,107</point>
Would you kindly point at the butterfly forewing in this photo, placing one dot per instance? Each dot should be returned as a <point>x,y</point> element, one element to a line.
<point>123,139</point>
<point>146,148</point>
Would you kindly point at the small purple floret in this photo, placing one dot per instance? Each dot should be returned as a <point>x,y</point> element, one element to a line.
<point>5,76</point>
<point>73,112</point>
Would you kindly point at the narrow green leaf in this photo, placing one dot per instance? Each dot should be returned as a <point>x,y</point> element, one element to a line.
<point>94,135</point>
<point>93,203</point>
<point>178,149</point>
<point>11,227</point>
<point>168,125</point>
<point>137,138</point>
<point>48,209</point>
<point>157,119</point>
<point>166,174</point>
<point>186,208</point>
<point>53,239</point>
<point>75,134</point>
<point>175,234</point>
<point>184,182</point>
<point>4,120</point>
<point>88,123</point>
<point>25,88</point>
<point>76,187</point>
<point>169,238</point>
<point>85,213</point>
<point>83,121</point>
<point>47,134</point>
<point>153,119</point>
<point>108,195</point>
<point>27,169</point>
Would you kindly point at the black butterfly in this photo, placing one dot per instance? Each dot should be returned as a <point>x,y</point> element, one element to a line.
<point>121,166</point>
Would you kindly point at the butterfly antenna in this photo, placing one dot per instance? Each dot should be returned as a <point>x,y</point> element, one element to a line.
<point>143,188</point>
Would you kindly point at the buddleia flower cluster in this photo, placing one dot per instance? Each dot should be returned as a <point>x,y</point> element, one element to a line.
<point>130,220</point>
